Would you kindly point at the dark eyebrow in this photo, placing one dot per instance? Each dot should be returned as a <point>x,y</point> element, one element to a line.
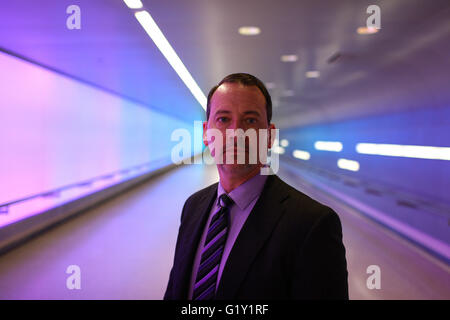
<point>256,113</point>
<point>221,111</point>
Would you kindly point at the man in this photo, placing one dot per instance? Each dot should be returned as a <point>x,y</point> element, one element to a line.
<point>252,236</point>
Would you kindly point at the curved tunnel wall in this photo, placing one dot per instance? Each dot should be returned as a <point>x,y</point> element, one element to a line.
<point>423,127</point>
<point>57,131</point>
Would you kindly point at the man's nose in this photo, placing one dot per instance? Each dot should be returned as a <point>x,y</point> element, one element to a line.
<point>237,124</point>
<point>239,137</point>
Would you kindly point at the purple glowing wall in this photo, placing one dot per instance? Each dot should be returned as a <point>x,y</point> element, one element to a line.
<point>56,131</point>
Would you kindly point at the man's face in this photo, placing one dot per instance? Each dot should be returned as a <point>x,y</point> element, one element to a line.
<point>235,106</point>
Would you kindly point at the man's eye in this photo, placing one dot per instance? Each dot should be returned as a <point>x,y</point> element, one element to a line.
<point>251,120</point>
<point>222,119</point>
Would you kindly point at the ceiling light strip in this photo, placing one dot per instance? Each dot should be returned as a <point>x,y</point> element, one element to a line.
<point>152,29</point>
<point>334,146</point>
<point>407,151</point>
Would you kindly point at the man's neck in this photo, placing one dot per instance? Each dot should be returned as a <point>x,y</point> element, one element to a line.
<point>231,181</point>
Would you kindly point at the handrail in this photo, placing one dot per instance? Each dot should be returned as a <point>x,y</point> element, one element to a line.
<point>82,183</point>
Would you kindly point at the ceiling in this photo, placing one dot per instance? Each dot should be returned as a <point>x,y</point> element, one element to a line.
<point>404,66</point>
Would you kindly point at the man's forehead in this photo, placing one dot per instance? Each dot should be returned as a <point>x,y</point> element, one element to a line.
<point>235,87</point>
<point>230,94</point>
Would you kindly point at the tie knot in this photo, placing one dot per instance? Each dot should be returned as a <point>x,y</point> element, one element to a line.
<point>225,201</point>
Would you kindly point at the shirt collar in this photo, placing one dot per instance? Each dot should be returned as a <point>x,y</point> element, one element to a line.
<point>246,192</point>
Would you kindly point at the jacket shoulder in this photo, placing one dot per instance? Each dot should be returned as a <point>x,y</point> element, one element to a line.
<point>201,193</point>
<point>303,207</point>
<point>196,197</point>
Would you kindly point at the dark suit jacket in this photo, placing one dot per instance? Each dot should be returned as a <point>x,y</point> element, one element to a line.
<point>290,247</point>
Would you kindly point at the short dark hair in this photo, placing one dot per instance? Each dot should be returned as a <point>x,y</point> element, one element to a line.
<point>246,80</point>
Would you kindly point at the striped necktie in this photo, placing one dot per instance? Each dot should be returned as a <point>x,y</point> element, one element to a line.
<point>205,283</point>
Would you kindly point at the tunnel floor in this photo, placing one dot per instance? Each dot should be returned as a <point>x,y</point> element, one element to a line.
<point>124,247</point>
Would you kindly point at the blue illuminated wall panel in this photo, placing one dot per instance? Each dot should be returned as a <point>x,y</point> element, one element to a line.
<point>425,127</point>
<point>55,130</point>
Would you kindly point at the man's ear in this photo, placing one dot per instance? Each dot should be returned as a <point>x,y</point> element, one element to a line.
<point>205,138</point>
<point>270,137</point>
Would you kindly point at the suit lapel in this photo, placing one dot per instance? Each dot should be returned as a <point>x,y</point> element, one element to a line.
<point>256,230</point>
<point>195,224</point>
